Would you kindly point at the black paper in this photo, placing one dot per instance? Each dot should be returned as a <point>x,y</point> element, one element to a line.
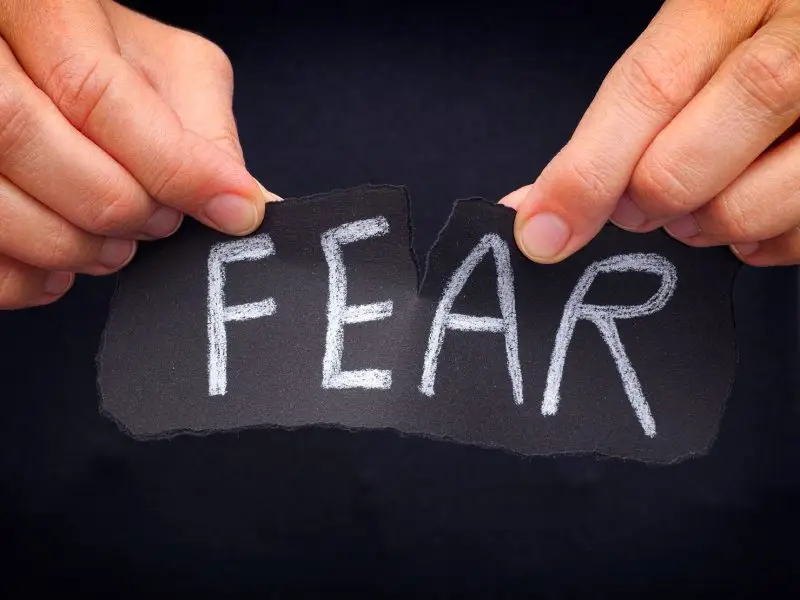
<point>153,365</point>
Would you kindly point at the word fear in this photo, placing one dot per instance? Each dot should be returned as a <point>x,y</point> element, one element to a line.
<point>340,314</point>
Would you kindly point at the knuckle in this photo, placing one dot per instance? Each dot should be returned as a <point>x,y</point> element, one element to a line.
<point>228,138</point>
<point>594,177</point>
<point>208,54</point>
<point>178,170</point>
<point>59,248</point>
<point>768,71</point>
<point>117,210</point>
<point>169,175</point>
<point>660,189</point>
<point>218,60</point>
<point>725,219</point>
<point>15,119</point>
<point>77,84</point>
<point>654,79</point>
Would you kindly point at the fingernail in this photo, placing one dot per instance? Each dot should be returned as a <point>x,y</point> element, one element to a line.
<point>515,198</point>
<point>683,227</point>
<point>116,253</point>
<point>57,283</point>
<point>627,215</point>
<point>232,214</point>
<point>745,248</point>
<point>163,222</point>
<point>269,196</point>
<point>544,236</point>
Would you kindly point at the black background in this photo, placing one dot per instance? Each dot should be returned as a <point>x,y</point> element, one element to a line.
<point>453,102</point>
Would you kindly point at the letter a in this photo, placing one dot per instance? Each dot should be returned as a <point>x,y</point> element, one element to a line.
<point>506,324</point>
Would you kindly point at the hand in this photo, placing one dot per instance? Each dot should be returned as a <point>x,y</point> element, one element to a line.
<point>112,126</point>
<point>694,130</point>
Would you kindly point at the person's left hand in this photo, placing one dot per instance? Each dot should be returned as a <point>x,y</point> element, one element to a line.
<point>694,130</point>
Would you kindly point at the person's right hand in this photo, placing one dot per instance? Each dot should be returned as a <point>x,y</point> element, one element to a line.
<point>112,127</point>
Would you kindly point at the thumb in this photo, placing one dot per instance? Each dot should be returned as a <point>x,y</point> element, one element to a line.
<point>566,206</point>
<point>548,232</point>
<point>515,198</point>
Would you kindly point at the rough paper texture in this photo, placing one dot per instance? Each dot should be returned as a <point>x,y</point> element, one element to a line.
<point>626,349</point>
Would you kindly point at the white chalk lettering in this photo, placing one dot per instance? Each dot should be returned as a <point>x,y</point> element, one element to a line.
<point>603,318</point>
<point>340,314</point>
<point>248,249</point>
<point>506,324</point>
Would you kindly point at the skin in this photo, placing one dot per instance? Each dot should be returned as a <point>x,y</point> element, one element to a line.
<point>694,130</point>
<point>113,127</point>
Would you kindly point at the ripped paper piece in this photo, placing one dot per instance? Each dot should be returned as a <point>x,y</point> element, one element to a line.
<point>625,349</point>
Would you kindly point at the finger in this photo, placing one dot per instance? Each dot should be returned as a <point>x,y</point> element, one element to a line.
<point>515,198</point>
<point>761,204</point>
<point>32,233</point>
<point>197,85</point>
<point>649,85</point>
<point>79,66</point>
<point>44,155</point>
<point>747,105</point>
<point>780,251</point>
<point>24,286</point>
<point>195,81</point>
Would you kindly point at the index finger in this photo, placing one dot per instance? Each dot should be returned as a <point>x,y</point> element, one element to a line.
<point>650,84</point>
<point>76,61</point>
